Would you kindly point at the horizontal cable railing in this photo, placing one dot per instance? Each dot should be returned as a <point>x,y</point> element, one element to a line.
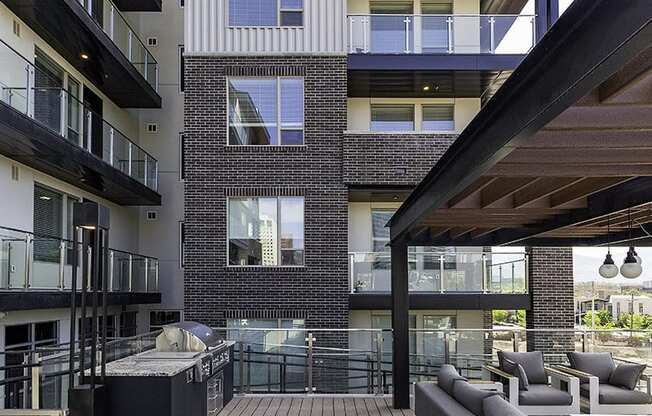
<point>115,25</point>
<point>41,96</point>
<point>31,261</point>
<point>441,33</point>
<point>455,272</point>
<point>300,360</point>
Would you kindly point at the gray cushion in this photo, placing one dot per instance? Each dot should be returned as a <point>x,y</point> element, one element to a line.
<point>430,399</point>
<point>516,370</point>
<point>471,397</point>
<point>497,406</point>
<point>600,364</point>
<point>608,394</point>
<point>544,395</point>
<point>626,375</point>
<point>446,378</point>
<point>532,363</point>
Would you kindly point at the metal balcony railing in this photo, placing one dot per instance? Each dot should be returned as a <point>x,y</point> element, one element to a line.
<point>115,25</point>
<point>30,261</point>
<point>441,34</point>
<point>45,99</point>
<point>455,272</point>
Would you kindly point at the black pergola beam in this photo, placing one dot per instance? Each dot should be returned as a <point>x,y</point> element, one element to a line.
<point>400,325</point>
<point>589,43</point>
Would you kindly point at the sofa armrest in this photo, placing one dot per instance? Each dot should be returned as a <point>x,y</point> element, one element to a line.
<point>573,382</point>
<point>512,387</point>
<point>648,383</point>
<point>581,375</point>
<point>487,385</point>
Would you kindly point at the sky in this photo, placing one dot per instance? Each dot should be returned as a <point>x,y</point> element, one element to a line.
<point>587,260</point>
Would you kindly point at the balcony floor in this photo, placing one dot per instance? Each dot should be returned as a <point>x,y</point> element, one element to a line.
<point>312,406</point>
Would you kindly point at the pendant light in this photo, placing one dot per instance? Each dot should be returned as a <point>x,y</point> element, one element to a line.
<point>608,270</point>
<point>631,269</point>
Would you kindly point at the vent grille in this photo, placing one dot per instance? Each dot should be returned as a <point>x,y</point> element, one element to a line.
<point>16,28</point>
<point>152,215</point>
<point>153,41</point>
<point>265,314</point>
<point>152,128</point>
<point>14,173</point>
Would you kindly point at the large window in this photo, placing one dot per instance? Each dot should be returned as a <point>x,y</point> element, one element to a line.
<point>266,231</point>
<point>392,117</point>
<point>266,13</point>
<point>439,117</point>
<point>266,111</point>
<point>380,233</point>
<point>158,319</point>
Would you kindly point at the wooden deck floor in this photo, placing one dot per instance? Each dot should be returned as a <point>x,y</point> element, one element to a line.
<point>312,406</point>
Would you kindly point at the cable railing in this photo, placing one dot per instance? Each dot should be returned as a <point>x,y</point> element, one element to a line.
<point>454,272</point>
<point>31,261</point>
<point>115,25</point>
<point>441,33</point>
<point>42,97</point>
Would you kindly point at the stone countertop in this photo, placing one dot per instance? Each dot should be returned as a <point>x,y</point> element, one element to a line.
<point>136,366</point>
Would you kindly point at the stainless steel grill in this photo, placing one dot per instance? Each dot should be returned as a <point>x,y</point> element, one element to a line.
<point>187,336</point>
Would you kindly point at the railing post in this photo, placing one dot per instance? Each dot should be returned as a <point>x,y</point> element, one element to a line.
<point>407,34</point>
<point>484,273</point>
<point>111,138</point>
<point>583,341</point>
<point>129,42</point>
<point>131,261</point>
<point>447,351</point>
<point>157,75</point>
<point>89,137</point>
<point>112,23</point>
<point>515,341</point>
<point>145,175</point>
<point>351,37</point>
<point>310,389</point>
<point>379,363</point>
<point>534,31</point>
<point>526,272</point>
<point>36,381</point>
<point>62,262</point>
<point>28,265</point>
<point>146,274</point>
<point>449,21</point>
<point>156,270</point>
<point>365,25</point>
<point>513,278</point>
<point>29,91</point>
<point>492,34</point>
<point>248,368</point>
<point>63,98</point>
<point>441,274</point>
<point>352,272</point>
<point>129,161</point>
<point>145,67</point>
<point>111,255</point>
<point>241,363</point>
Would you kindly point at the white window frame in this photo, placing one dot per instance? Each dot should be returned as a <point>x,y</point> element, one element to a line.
<point>278,233</point>
<point>278,16</point>
<point>422,105</point>
<point>279,127</point>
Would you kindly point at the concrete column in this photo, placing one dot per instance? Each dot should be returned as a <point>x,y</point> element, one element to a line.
<point>550,279</point>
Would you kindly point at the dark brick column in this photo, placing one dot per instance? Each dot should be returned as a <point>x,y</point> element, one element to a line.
<point>551,287</point>
<point>488,323</point>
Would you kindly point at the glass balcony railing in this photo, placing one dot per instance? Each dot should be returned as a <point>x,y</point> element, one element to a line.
<point>31,261</point>
<point>474,272</point>
<point>441,34</point>
<point>116,26</point>
<point>39,95</point>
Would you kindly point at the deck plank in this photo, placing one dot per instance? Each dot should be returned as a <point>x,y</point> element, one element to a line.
<point>232,405</point>
<point>295,407</point>
<point>274,405</point>
<point>317,406</point>
<point>328,405</point>
<point>312,406</point>
<point>251,406</point>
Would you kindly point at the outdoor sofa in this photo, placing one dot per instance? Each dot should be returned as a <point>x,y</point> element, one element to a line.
<point>453,395</point>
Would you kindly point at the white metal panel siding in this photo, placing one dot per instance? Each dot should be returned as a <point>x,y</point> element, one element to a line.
<point>208,31</point>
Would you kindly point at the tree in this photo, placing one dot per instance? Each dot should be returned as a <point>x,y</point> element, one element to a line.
<point>603,319</point>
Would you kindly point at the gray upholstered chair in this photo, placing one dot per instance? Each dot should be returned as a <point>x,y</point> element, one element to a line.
<point>533,388</point>
<point>608,385</point>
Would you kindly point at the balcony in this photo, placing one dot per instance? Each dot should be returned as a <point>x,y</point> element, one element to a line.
<point>460,55</point>
<point>97,40</point>
<point>443,279</point>
<point>392,158</point>
<point>139,5</point>
<point>36,273</point>
<point>45,127</point>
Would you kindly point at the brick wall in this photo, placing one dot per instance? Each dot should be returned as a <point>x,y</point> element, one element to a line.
<point>317,292</point>
<point>551,287</point>
<point>391,159</point>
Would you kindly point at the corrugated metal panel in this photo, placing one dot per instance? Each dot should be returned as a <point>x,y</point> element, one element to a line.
<point>207,30</point>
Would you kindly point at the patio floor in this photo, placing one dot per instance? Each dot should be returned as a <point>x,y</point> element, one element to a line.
<point>312,406</point>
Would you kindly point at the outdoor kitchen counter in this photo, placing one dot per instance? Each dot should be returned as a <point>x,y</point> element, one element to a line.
<point>134,367</point>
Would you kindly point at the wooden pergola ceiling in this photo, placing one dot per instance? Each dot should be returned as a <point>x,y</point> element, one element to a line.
<point>561,148</point>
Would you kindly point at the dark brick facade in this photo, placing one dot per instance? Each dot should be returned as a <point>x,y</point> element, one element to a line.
<point>551,287</point>
<point>317,292</point>
<point>391,159</point>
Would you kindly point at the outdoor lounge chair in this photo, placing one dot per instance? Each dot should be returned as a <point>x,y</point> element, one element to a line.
<point>607,388</point>
<point>533,388</point>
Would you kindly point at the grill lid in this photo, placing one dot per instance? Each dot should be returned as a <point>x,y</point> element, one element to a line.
<point>187,336</point>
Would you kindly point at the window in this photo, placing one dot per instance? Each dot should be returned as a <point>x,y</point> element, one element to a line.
<point>88,329</point>
<point>182,69</point>
<point>266,12</point>
<point>380,233</point>
<point>438,117</point>
<point>73,110</point>
<point>385,322</point>
<point>254,115</point>
<point>390,117</point>
<point>128,324</point>
<point>48,224</point>
<point>182,157</point>
<point>158,319</point>
<point>266,231</point>
<point>182,244</point>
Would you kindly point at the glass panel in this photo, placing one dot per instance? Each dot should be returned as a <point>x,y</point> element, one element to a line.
<point>138,283</point>
<point>291,137</point>
<point>291,18</point>
<point>252,111</point>
<point>13,79</point>
<point>438,117</point>
<point>253,13</point>
<point>292,4</point>
<point>379,231</point>
<point>291,102</point>
<point>48,87</point>
<point>392,117</point>
<point>434,34</point>
<point>138,164</point>
<point>391,34</point>
<point>13,249</point>
<point>120,272</point>
<point>152,283</point>
<point>74,111</point>
<point>506,272</point>
<point>292,240</point>
<point>463,272</point>
<point>424,270</point>
<point>120,152</point>
<point>253,231</point>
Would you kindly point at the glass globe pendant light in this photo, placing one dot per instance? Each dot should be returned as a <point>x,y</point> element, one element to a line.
<point>608,270</point>
<point>631,269</point>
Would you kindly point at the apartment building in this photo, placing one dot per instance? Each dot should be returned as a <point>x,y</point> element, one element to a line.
<point>307,123</point>
<point>91,109</point>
